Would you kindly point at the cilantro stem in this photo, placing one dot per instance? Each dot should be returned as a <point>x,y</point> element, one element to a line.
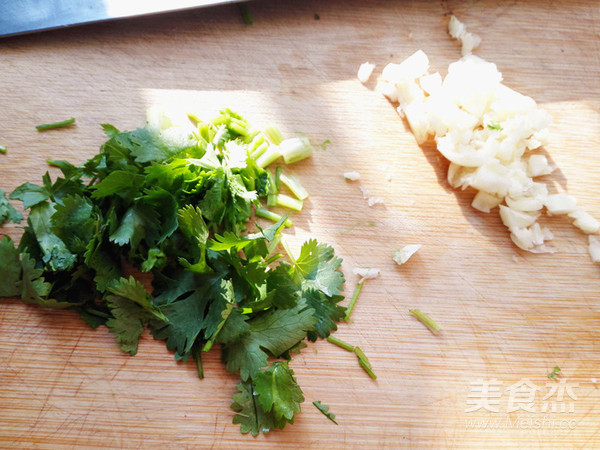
<point>262,148</point>
<point>197,355</point>
<point>272,216</point>
<point>208,346</point>
<point>364,362</point>
<point>194,119</point>
<point>274,243</point>
<point>273,134</point>
<point>289,202</point>
<point>295,149</point>
<point>257,141</point>
<point>340,343</point>
<point>272,190</point>
<point>294,185</point>
<point>246,15</point>
<point>269,156</point>
<point>271,200</point>
<point>368,369</point>
<point>288,250</point>
<point>95,312</point>
<point>2,149</point>
<point>426,320</point>
<point>278,177</point>
<point>362,358</point>
<point>50,126</point>
<point>353,299</point>
<point>239,127</point>
<point>273,258</point>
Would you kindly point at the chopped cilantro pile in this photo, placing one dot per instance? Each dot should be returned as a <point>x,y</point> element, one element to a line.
<point>175,206</point>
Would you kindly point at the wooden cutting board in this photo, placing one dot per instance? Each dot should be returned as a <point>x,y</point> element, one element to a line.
<point>508,316</point>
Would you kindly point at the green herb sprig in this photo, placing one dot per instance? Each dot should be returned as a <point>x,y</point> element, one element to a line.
<point>179,208</point>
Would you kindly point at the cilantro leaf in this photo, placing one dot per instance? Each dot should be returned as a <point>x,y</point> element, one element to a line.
<point>30,194</point>
<point>285,293</point>
<point>250,415</point>
<point>324,409</point>
<point>177,205</point>
<point>106,268</point>
<point>193,227</point>
<point>33,194</point>
<point>74,223</point>
<point>35,289</point>
<point>275,331</point>
<point>166,206</point>
<point>184,324</point>
<point>10,267</point>
<point>215,197</point>
<point>55,253</point>
<point>8,213</point>
<point>555,373</point>
<point>120,182</point>
<point>171,287</point>
<point>133,290</point>
<point>327,312</point>
<point>220,309</point>
<point>145,145</point>
<point>156,258</point>
<point>186,318</point>
<point>278,391</point>
<point>229,241</point>
<point>68,169</point>
<point>233,327</point>
<point>140,222</point>
<point>128,322</point>
<point>317,268</point>
<point>109,130</point>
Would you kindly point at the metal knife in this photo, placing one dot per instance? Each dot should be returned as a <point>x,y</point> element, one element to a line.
<point>27,16</point>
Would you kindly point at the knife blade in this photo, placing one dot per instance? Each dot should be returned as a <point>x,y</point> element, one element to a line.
<point>28,16</point>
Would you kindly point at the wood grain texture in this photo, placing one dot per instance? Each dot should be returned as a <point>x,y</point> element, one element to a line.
<point>506,314</point>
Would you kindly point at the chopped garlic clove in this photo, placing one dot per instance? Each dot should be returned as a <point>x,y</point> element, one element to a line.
<point>458,31</point>
<point>584,221</point>
<point>537,165</point>
<point>525,203</point>
<point>417,119</point>
<point>387,90</point>
<point>485,202</point>
<point>431,83</point>
<point>372,201</point>
<point>455,27</point>
<point>461,154</point>
<point>402,255</point>
<point>351,176</point>
<point>411,68</point>
<point>594,248</point>
<point>522,237</point>
<point>485,130</point>
<point>557,204</point>
<point>364,72</point>
<point>459,176</point>
<point>517,219</point>
<point>366,273</point>
<point>493,178</point>
<point>532,239</point>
